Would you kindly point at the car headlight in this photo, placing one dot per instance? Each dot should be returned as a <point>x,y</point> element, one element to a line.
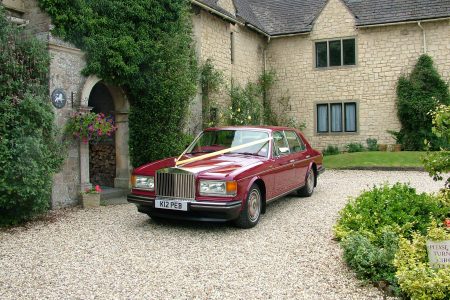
<point>218,188</point>
<point>143,182</point>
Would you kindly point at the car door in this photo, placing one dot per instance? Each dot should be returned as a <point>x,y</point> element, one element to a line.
<point>299,156</point>
<point>283,164</point>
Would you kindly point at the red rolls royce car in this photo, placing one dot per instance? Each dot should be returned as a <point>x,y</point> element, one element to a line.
<point>228,174</point>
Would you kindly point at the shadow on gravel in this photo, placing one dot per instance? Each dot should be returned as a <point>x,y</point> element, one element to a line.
<point>274,209</point>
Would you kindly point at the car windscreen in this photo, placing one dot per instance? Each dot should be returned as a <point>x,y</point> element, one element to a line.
<point>212,141</point>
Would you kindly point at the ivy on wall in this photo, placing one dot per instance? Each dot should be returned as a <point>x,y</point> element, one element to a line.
<point>145,47</point>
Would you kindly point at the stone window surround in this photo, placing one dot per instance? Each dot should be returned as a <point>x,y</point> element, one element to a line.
<point>343,132</point>
<point>314,41</point>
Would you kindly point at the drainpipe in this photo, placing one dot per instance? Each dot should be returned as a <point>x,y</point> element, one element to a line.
<point>424,38</point>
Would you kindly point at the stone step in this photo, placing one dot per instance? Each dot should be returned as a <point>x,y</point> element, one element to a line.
<point>109,193</point>
<point>114,201</point>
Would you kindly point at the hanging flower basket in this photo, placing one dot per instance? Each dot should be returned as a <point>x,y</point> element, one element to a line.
<point>90,127</point>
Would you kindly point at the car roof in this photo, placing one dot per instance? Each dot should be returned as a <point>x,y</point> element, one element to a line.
<point>264,128</point>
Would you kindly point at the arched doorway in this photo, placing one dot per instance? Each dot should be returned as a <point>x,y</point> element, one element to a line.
<point>102,154</point>
<point>100,96</point>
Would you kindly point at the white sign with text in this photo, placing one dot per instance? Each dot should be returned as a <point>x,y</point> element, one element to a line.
<point>439,253</point>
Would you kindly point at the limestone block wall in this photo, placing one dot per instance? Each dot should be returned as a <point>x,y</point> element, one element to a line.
<point>65,73</point>
<point>383,54</point>
<point>213,41</point>
<point>249,49</point>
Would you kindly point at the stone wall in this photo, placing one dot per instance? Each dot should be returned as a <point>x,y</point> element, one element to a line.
<point>65,74</point>
<point>213,41</point>
<point>39,20</point>
<point>383,54</point>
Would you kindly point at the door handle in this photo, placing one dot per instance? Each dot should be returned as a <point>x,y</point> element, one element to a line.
<point>308,156</point>
<point>292,160</point>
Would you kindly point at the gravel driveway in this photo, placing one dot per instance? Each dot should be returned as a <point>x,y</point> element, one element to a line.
<point>116,253</point>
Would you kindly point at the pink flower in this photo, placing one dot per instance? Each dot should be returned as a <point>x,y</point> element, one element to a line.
<point>84,140</point>
<point>98,189</point>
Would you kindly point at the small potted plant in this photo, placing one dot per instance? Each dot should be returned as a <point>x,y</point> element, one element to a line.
<point>90,127</point>
<point>91,197</point>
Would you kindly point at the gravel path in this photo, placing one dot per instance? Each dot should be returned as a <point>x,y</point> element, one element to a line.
<point>116,253</point>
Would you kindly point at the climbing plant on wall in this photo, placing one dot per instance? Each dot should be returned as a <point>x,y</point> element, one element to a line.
<point>145,47</point>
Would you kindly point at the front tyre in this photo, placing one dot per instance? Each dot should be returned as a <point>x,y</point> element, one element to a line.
<point>251,213</point>
<point>308,189</point>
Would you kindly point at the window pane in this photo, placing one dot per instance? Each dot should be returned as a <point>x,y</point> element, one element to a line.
<point>321,55</point>
<point>280,144</point>
<point>322,118</point>
<point>349,52</point>
<point>335,53</point>
<point>336,117</point>
<point>350,117</point>
<point>293,141</point>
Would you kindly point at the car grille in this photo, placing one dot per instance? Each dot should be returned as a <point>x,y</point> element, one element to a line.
<point>175,185</point>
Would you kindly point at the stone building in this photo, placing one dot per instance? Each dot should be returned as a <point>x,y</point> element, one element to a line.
<point>337,60</point>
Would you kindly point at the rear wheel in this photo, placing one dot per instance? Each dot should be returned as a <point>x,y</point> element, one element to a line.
<point>308,189</point>
<point>251,213</point>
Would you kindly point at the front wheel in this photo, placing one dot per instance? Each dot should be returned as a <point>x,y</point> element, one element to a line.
<point>308,189</point>
<point>251,213</point>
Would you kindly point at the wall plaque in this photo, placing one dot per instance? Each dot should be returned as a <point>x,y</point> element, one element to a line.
<point>59,98</point>
<point>438,253</point>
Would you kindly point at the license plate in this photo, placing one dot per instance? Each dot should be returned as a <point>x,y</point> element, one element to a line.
<point>171,204</point>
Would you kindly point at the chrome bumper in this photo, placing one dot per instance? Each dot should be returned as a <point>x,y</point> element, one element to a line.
<point>202,211</point>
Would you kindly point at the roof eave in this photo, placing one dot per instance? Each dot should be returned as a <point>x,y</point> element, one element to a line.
<point>216,12</point>
<point>401,22</point>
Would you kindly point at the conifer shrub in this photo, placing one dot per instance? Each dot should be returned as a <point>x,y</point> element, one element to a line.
<point>418,94</point>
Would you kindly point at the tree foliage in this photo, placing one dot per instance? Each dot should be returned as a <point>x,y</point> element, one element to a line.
<point>29,154</point>
<point>417,95</point>
<point>438,163</point>
<point>145,47</point>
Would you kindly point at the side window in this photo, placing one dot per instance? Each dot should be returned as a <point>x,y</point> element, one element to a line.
<point>295,143</point>
<point>280,144</point>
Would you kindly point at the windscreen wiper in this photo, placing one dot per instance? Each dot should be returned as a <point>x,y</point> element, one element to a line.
<point>197,152</point>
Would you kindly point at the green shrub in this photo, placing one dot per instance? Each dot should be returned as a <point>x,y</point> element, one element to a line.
<point>370,225</point>
<point>415,276</point>
<point>246,106</point>
<point>372,144</point>
<point>29,154</point>
<point>354,147</point>
<point>417,95</point>
<point>372,260</point>
<point>438,163</point>
<point>331,150</point>
<point>397,206</point>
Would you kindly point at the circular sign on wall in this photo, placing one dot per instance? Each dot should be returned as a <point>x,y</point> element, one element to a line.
<point>59,98</point>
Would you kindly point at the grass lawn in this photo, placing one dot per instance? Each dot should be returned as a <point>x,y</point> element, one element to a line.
<point>378,159</point>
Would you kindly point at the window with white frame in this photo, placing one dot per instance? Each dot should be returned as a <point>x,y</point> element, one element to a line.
<point>336,117</point>
<point>335,53</point>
